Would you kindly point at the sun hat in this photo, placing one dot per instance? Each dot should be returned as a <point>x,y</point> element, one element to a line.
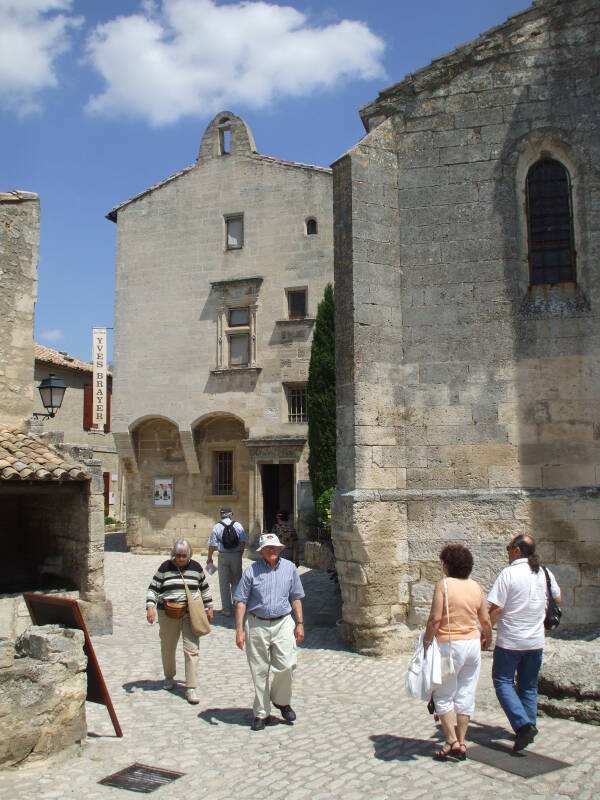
<point>269,540</point>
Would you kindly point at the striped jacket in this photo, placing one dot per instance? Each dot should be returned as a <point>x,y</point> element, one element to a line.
<point>167,584</point>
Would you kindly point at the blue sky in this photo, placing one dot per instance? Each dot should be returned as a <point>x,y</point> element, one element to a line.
<point>99,99</point>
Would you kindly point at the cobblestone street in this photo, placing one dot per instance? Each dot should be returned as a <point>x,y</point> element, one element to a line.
<point>357,735</point>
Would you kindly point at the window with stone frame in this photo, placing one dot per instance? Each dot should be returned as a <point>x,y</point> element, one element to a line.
<point>296,299</point>
<point>550,224</point>
<point>311,227</point>
<point>222,472</point>
<point>239,349</point>
<point>297,407</point>
<point>234,225</point>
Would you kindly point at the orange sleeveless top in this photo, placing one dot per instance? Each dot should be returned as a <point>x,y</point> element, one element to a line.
<point>464,598</point>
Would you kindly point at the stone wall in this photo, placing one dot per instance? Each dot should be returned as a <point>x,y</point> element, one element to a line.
<point>43,687</point>
<point>19,241</point>
<point>468,398</point>
<point>176,281</point>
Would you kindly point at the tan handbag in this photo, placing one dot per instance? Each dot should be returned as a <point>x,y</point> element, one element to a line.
<point>198,620</point>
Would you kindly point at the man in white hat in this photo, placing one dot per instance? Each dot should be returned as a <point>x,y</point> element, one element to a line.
<point>270,591</point>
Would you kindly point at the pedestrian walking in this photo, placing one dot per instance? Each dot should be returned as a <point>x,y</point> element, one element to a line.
<point>229,539</point>
<point>518,602</point>
<point>166,594</point>
<point>269,591</point>
<point>458,604</point>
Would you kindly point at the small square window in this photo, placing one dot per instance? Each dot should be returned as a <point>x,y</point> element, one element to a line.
<point>296,303</point>
<point>223,472</point>
<point>297,403</point>
<point>238,317</point>
<point>238,350</point>
<point>235,232</point>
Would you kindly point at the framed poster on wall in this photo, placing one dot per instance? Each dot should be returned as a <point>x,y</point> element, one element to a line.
<point>162,491</point>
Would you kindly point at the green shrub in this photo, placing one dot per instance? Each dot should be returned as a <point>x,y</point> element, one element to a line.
<point>323,505</point>
<point>110,521</point>
<point>321,399</point>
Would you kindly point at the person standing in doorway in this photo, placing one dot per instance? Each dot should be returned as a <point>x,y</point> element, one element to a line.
<point>518,601</point>
<point>229,539</point>
<point>286,533</point>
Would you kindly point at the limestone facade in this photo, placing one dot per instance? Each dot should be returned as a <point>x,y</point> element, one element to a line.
<point>219,271</point>
<point>71,420</point>
<point>19,243</point>
<point>468,386</point>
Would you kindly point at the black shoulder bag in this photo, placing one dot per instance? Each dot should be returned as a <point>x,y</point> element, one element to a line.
<point>553,611</point>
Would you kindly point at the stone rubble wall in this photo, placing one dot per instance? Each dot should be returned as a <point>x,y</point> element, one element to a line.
<point>43,687</point>
<point>468,400</point>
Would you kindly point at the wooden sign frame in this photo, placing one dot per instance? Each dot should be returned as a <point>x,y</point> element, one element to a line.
<point>47,609</point>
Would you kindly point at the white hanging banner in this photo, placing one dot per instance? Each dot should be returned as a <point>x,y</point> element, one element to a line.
<point>99,377</point>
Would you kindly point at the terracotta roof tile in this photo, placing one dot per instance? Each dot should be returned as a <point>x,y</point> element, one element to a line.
<point>61,359</point>
<point>23,457</point>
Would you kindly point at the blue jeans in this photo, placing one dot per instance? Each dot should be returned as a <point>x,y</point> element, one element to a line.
<point>520,703</point>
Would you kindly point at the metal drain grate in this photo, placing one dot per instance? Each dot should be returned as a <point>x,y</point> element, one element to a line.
<point>141,778</point>
<point>527,765</point>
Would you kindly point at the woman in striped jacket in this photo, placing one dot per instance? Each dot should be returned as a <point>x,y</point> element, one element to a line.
<point>166,594</point>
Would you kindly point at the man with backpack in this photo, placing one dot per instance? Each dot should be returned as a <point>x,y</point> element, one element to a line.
<point>229,539</point>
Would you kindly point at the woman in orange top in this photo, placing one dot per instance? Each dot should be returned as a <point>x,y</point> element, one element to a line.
<point>457,632</point>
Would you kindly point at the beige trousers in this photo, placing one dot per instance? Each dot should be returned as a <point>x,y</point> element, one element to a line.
<point>170,629</point>
<point>230,573</point>
<point>271,653</point>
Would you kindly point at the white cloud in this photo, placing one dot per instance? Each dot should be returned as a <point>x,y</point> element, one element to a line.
<point>53,335</point>
<point>181,58</point>
<point>33,33</point>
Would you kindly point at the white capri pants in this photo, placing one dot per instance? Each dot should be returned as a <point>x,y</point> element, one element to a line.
<point>458,691</point>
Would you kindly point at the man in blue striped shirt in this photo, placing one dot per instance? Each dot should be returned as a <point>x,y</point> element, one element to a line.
<point>269,590</point>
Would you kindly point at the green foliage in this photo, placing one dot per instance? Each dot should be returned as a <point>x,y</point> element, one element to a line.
<point>323,506</point>
<point>110,521</point>
<point>321,399</point>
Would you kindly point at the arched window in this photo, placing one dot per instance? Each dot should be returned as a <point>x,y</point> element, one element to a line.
<point>550,223</point>
<point>311,226</point>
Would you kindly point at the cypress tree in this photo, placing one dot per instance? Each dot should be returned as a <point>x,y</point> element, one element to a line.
<point>321,399</point>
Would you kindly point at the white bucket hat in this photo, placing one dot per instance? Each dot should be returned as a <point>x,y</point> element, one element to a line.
<point>269,540</point>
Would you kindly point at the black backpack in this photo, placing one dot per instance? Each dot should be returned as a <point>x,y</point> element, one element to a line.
<point>229,537</point>
<point>553,611</point>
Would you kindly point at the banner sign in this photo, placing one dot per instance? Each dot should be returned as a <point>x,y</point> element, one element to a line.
<point>99,377</point>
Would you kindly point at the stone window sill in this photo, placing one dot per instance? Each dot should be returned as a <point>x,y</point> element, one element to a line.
<point>215,498</point>
<point>235,370</point>
<point>300,321</point>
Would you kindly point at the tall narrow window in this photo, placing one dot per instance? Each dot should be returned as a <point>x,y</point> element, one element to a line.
<point>296,402</point>
<point>550,224</point>
<point>296,303</point>
<point>238,350</point>
<point>224,137</point>
<point>311,226</point>
<point>223,472</point>
<point>235,232</point>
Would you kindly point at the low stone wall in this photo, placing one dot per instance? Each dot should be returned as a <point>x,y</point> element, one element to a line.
<point>569,682</point>
<point>43,687</point>
<point>318,556</point>
<point>14,615</point>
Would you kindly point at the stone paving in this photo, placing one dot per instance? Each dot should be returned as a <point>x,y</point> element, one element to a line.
<point>357,735</point>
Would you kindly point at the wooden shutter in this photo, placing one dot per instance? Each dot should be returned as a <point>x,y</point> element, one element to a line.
<point>108,399</point>
<point>88,407</point>
<point>106,478</point>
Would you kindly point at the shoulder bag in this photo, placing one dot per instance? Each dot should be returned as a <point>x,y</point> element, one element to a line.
<point>198,620</point>
<point>553,610</point>
<point>447,661</point>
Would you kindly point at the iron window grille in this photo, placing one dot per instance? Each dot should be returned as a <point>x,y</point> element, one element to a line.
<point>297,404</point>
<point>550,224</point>
<point>223,473</point>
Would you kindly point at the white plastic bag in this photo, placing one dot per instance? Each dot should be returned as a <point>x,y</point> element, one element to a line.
<point>424,671</point>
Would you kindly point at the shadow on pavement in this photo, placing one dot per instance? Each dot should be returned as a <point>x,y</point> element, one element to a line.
<point>115,542</point>
<point>144,685</point>
<point>489,735</point>
<point>400,748</point>
<point>228,716</point>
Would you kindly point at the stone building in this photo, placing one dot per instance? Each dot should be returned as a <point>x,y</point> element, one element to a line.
<point>219,271</point>
<point>51,497</point>
<point>467,293</point>
<point>75,419</point>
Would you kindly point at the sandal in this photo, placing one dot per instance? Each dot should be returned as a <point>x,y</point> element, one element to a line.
<point>459,750</point>
<point>445,753</point>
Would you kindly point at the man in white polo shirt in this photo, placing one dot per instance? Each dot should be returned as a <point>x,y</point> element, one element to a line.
<point>518,604</point>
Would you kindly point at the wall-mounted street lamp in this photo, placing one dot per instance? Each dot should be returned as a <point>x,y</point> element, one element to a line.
<point>52,390</point>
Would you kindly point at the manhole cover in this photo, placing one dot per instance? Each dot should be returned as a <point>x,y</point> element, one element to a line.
<point>141,778</point>
<point>526,764</point>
